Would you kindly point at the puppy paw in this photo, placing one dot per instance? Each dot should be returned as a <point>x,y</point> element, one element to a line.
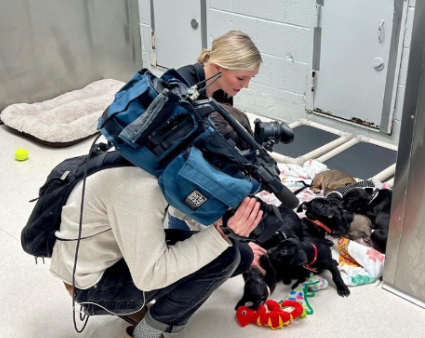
<point>287,281</point>
<point>343,291</point>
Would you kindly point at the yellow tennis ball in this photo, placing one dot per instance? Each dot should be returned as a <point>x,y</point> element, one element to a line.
<point>21,154</point>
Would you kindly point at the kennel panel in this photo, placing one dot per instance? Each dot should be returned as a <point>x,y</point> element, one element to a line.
<point>363,158</point>
<point>311,140</point>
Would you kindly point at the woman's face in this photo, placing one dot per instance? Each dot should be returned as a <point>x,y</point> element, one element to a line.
<point>232,81</point>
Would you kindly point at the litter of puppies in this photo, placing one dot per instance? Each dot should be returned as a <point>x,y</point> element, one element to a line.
<point>341,220</point>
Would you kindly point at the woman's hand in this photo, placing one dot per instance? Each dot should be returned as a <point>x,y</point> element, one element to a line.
<point>258,252</point>
<point>246,218</point>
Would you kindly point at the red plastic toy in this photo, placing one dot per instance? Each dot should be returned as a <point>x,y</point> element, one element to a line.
<point>270,314</point>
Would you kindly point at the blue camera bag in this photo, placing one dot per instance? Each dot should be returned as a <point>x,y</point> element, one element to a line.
<point>154,127</point>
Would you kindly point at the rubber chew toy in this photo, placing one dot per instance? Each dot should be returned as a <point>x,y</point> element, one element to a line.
<point>270,314</point>
<point>306,290</point>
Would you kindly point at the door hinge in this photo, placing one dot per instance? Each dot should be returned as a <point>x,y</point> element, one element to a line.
<point>317,39</point>
<point>318,15</point>
<point>153,39</point>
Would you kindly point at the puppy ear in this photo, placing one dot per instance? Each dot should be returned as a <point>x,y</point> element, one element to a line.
<point>302,207</point>
<point>300,258</point>
<point>369,190</point>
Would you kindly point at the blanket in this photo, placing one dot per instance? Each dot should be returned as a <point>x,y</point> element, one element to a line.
<point>65,119</point>
<point>359,264</point>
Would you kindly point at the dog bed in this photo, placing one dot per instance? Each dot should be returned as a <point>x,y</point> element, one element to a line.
<point>65,119</point>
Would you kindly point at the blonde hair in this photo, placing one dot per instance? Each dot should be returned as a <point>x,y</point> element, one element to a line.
<point>233,50</point>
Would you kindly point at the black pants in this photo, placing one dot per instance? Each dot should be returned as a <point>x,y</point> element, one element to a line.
<point>174,304</point>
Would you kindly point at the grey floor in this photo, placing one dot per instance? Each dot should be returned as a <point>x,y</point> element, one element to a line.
<point>35,305</point>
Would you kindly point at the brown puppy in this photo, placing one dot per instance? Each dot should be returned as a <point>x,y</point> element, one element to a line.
<point>329,180</point>
<point>360,230</point>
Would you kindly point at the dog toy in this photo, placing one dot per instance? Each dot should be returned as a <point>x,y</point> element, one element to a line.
<point>322,283</point>
<point>307,290</point>
<point>21,154</point>
<point>270,314</point>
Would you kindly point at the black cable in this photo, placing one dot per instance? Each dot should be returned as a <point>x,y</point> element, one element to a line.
<point>197,92</point>
<point>218,75</point>
<point>83,317</point>
<point>205,88</point>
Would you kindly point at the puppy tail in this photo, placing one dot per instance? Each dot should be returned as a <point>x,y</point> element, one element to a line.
<point>296,192</point>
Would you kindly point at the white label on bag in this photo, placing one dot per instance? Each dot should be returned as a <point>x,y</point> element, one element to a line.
<point>195,199</point>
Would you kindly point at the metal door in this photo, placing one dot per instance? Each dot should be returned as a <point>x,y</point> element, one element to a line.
<point>351,75</point>
<point>179,32</point>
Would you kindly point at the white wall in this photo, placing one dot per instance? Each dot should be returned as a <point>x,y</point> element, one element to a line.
<point>283,32</point>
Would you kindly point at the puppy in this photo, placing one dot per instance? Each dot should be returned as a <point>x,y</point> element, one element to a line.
<point>299,258</point>
<point>329,180</point>
<point>356,199</point>
<point>290,228</point>
<point>360,230</point>
<point>323,218</point>
<point>258,288</point>
<point>379,240</point>
<point>377,207</point>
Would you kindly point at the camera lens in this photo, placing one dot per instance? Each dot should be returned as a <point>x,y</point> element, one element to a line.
<point>285,132</point>
<point>272,131</point>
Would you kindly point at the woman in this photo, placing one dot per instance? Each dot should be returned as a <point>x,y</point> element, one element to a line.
<point>235,56</point>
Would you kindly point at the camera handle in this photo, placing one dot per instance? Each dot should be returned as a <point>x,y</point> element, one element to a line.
<point>262,166</point>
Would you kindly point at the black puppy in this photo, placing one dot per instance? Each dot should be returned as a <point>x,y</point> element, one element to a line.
<point>323,218</point>
<point>290,227</point>
<point>298,259</point>
<point>357,199</point>
<point>258,288</point>
<point>375,205</point>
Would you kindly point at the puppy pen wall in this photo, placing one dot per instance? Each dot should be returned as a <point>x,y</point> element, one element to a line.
<point>404,266</point>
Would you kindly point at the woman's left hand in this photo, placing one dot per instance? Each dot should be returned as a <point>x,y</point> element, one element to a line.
<point>258,252</point>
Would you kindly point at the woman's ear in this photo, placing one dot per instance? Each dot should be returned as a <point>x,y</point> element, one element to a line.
<point>216,67</point>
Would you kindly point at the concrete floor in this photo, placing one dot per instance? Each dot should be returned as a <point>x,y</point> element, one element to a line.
<point>35,305</point>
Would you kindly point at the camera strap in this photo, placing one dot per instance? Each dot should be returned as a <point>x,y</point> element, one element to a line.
<point>228,231</point>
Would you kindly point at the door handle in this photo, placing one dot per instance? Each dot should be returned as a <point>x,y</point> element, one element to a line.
<point>381,32</point>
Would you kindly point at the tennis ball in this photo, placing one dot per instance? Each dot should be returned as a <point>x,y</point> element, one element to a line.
<point>21,154</point>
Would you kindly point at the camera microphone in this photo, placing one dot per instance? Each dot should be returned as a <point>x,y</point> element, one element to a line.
<point>287,197</point>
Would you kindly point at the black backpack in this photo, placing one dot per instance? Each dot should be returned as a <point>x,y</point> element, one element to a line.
<point>38,236</point>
